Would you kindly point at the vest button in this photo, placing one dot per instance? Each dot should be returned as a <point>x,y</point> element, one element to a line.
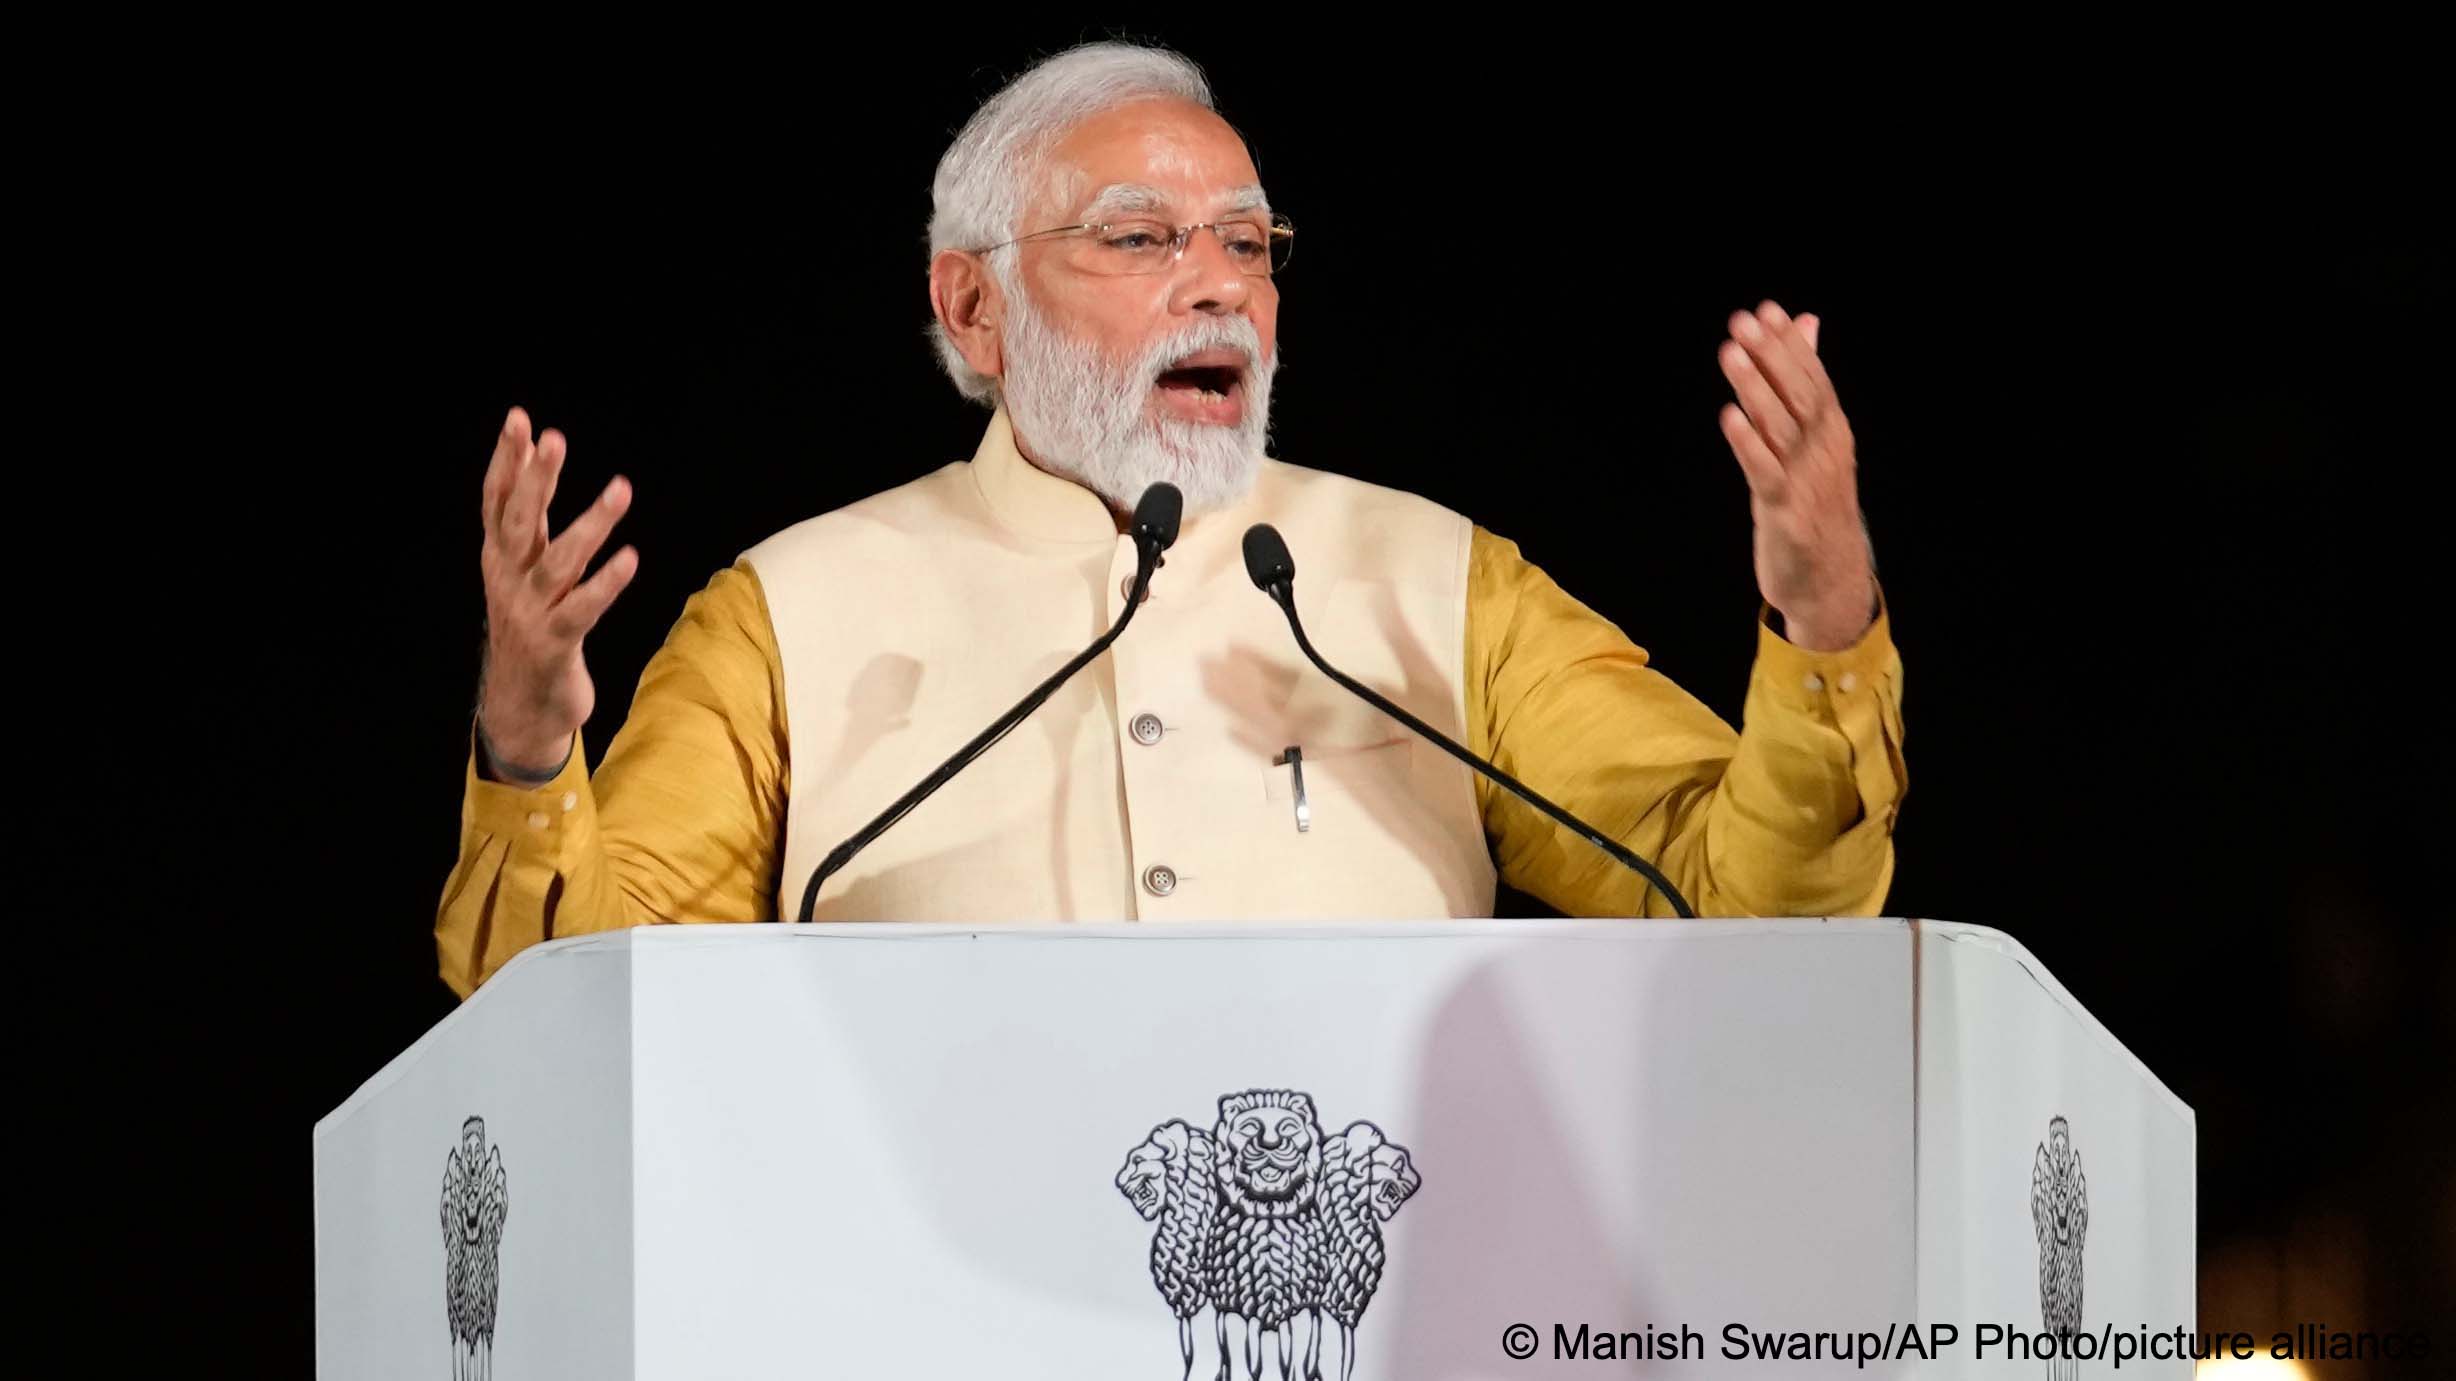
<point>1159,879</point>
<point>1146,729</point>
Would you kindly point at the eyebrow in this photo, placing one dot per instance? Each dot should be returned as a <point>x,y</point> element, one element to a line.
<point>1246,199</point>
<point>1126,199</point>
<point>1141,199</point>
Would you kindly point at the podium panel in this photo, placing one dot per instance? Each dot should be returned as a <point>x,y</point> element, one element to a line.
<point>1116,1151</point>
<point>2106,1155</point>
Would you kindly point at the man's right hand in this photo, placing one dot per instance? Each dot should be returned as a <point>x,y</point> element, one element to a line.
<point>536,692</point>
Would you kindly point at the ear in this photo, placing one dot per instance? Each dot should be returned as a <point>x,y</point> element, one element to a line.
<point>969,306</point>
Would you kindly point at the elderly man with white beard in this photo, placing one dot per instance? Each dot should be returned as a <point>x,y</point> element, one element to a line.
<point>1104,278</point>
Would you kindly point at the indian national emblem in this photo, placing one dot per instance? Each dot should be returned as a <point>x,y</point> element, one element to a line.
<point>474,1205</point>
<point>2059,1209</point>
<point>1265,1218</point>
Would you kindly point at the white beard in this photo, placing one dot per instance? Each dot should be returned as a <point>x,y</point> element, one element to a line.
<point>1088,418</point>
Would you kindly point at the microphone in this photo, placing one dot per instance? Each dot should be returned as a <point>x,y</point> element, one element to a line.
<point>1274,573</point>
<point>1154,529</point>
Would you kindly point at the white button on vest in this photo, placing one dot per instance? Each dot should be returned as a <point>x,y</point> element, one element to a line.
<point>537,819</point>
<point>1850,681</point>
<point>1159,879</point>
<point>571,801</point>
<point>1146,729</point>
<point>1814,682</point>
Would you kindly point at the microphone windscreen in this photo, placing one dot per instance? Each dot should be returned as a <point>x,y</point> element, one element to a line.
<point>1156,515</point>
<point>1266,557</point>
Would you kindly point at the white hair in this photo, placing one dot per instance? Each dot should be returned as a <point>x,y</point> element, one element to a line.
<point>987,173</point>
<point>1084,412</point>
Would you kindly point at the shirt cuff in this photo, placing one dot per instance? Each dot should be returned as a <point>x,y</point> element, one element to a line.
<point>1798,679</point>
<point>1831,724</point>
<point>534,817</point>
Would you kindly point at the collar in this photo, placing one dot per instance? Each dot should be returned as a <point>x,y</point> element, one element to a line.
<point>1030,501</point>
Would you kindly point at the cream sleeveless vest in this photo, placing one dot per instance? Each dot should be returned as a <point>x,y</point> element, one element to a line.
<point>1152,786</point>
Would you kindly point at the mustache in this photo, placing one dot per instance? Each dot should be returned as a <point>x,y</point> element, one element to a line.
<point>1211,333</point>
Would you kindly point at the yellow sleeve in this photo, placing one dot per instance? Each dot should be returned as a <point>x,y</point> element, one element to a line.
<point>1790,816</point>
<point>680,822</point>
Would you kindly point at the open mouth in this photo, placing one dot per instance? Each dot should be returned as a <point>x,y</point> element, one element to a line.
<point>1211,381</point>
<point>1207,386</point>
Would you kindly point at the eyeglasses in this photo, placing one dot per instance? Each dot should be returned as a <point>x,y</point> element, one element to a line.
<point>1259,248</point>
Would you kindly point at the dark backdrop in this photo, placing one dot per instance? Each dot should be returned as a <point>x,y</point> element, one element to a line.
<point>2147,359</point>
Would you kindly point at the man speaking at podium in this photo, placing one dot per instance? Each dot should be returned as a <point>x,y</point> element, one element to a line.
<point>1104,272</point>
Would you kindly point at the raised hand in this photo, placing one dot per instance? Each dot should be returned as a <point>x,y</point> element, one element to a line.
<point>1795,447</point>
<point>537,692</point>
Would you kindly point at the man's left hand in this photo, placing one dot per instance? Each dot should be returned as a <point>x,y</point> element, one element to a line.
<point>1795,447</point>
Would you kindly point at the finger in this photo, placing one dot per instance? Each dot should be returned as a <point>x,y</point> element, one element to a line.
<point>581,609</point>
<point>1814,361</point>
<point>1774,342</point>
<point>568,555</point>
<point>524,517</point>
<point>1773,421</point>
<point>1801,341</point>
<point>514,450</point>
<point>554,473</point>
<point>500,467</point>
<point>511,537</point>
<point>1766,477</point>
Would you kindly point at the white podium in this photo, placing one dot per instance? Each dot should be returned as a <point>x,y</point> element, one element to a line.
<point>1375,1149</point>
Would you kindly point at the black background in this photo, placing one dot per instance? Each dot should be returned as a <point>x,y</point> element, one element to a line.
<point>2147,355</point>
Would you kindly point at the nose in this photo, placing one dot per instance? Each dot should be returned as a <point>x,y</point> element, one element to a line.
<point>1207,279</point>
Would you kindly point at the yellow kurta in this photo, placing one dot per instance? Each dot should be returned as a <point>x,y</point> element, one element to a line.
<point>1792,815</point>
